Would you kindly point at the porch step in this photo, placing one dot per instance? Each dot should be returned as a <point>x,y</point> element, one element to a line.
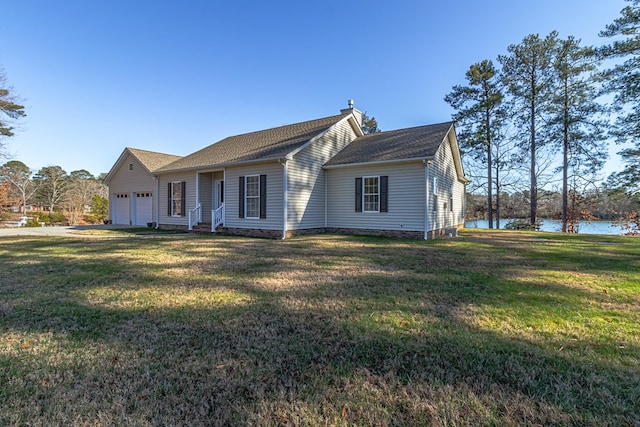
<point>202,227</point>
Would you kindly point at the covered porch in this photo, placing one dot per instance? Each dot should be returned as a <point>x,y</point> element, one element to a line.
<point>209,211</point>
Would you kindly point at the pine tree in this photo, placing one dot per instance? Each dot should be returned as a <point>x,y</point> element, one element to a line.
<point>369,124</point>
<point>528,75</point>
<point>624,83</point>
<point>576,120</point>
<point>478,116</point>
<point>10,110</point>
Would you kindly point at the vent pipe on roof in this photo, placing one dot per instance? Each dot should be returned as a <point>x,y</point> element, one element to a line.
<point>357,114</point>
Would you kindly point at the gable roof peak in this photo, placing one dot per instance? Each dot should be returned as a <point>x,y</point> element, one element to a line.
<point>351,110</point>
<point>150,160</point>
<point>420,142</point>
<point>273,143</point>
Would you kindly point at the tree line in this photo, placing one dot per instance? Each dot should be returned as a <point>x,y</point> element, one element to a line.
<point>66,197</point>
<point>544,115</point>
<point>610,204</point>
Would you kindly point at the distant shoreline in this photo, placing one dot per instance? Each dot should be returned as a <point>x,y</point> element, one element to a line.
<point>555,225</point>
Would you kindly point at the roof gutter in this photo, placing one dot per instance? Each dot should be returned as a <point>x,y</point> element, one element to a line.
<point>220,166</point>
<point>380,162</point>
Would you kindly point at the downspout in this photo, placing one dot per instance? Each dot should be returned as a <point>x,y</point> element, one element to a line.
<point>425,162</point>
<point>157,178</point>
<point>285,196</point>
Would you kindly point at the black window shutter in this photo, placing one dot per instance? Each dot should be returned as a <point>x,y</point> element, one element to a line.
<point>169,198</point>
<point>384,194</point>
<point>241,198</point>
<point>359,194</point>
<point>183,198</point>
<point>263,196</point>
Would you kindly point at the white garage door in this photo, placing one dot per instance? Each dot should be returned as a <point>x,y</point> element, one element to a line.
<point>122,209</point>
<point>143,208</point>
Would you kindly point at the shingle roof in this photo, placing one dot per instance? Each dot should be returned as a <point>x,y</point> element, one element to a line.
<point>412,143</point>
<point>153,160</point>
<point>261,145</point>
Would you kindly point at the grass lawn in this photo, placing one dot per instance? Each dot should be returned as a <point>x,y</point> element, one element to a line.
<point>490,328</point>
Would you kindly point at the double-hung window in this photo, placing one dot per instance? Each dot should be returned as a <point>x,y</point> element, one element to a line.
<point>252,196</point>
<point>435,194</point>
<point>176,200</point>
<point>372,194</point>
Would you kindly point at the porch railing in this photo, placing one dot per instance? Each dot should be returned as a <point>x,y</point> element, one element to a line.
<point>195,216</point>
<point>217,217</point>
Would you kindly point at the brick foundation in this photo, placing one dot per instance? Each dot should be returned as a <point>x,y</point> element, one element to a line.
<point>173,227</point>
<point>277,234</point>
<point>251,232</point>
<point>383,233</point>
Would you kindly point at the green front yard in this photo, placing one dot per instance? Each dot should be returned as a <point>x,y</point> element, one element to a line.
<point>491,328</point>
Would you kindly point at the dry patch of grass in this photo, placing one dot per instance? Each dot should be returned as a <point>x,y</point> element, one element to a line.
<point>489,328</point>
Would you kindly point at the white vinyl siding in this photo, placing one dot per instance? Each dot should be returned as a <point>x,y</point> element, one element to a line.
<point>405,197</point>
<point>274,219</point>
<point>206,194</point>
<point>306,183</point>
<point>130,181</point>
<point>450,191</point>
<point>190,197</point>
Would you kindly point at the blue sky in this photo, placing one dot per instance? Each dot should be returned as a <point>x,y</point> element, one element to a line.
<point>176,76</point>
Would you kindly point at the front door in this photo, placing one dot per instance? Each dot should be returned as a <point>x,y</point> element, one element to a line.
<point>218,193</point>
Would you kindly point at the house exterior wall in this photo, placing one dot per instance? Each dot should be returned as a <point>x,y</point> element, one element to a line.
<point>206,195</point>
<point>164,219</point>
<point>275,218</point>
<point>450,200</point>
<point>131,181</point>
<point>306,179</point>
<point>405,203</point>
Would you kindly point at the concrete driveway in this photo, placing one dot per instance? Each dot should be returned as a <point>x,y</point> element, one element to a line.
<point>57,231</point>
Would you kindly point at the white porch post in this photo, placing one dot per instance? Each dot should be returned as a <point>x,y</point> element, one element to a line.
<point>157,201</point>
<point>197,197</point>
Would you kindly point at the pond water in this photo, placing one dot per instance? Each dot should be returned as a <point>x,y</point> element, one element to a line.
<point>593,227</point>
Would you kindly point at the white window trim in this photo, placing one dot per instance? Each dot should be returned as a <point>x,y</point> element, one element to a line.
<point>435,194</point>
<point>364,178</point>
<point>173,211</point>
<point>247,197</point>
